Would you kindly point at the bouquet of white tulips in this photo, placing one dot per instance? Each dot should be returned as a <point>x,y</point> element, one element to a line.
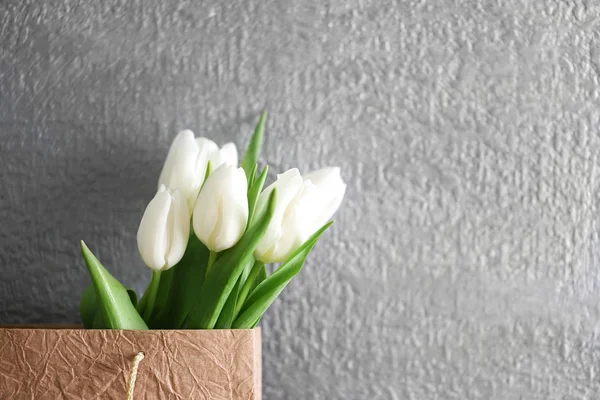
<point>207,235</point>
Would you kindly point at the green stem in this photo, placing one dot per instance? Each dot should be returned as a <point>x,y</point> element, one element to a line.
<point>212,257</point>
<point>153,290</point>
<point>245,291</point>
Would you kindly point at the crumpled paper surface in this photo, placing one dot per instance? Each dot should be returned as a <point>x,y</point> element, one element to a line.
<point>95,364</point>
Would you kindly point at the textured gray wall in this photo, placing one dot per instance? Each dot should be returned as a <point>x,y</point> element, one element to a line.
<point>465,262</point>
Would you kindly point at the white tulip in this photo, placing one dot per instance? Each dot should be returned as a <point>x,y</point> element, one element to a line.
<point>302,207</point>
<point>294,218</point>
<point>164,230</point>
<point>227,154</point>
<point>207,145</point>
<point>331,189</point>
<point>221,211</point>
<point>185,166</point>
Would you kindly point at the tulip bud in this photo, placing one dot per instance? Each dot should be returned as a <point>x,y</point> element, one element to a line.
<point>225,155</point>
<point>294,219</point>
<point>221,212</point>
<point>185,166</point>
<point>303,206</point>
<point>331,188</point>
<point>164,230</point>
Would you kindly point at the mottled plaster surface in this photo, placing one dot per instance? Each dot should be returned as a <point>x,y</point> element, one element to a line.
<point>465,262</point>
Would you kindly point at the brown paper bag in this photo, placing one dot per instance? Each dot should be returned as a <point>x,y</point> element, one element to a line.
<point>42,363</point>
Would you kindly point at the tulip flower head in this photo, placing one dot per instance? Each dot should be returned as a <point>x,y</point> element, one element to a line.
<point>225,155</point>
<point>185,166</point>
<point>303,206</point>
<point>331,189</point>
<point>164,230</point>
<point>221,211</point>
<point>293,220</point>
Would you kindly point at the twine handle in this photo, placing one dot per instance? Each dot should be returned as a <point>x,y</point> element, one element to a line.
<point>133,374</point>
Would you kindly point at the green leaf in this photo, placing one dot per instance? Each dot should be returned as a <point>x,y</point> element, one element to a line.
<point>113,299</point>
<point>153,290</point>
<point>186,280</point>
<point>256,323</point>
<point>224,274</point>
<point>251,156</point>
<point>162,297</point>
<point>247,270</point>
<point>209,170</point>
<point>262,275</point>
<point>132,296</point>
<point>88,307</point>
<point>265,293</point>
<point>248,284</point>
<point>254,192</point>
<point>227,314</point>
<point>252,177</point>
<point>99,322</point>
<point>141,306</point>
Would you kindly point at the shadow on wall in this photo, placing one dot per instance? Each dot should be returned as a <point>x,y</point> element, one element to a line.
<point>68,181</point>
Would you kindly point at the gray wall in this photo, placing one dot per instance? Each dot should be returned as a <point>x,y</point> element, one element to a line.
<point>465,261</point>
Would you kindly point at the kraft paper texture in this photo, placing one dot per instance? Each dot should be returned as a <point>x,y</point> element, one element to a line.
<point>95,364</point>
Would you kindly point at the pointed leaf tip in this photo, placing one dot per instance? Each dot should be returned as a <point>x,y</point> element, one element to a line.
<point>253,151</point>
<point>272,202</point>
<point>116,306</point>
<point>254,191</point>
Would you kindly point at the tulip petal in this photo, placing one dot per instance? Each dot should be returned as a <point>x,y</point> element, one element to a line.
<point>332,188</point>
<point>233,211</point>
<point>298,222</point>
<point>205,214</point>
<point>182,154</point>
<point>184,167</point>
<point>324,176</point>
<point>178,230</point>
<point>229,155</point>
<point>221,212</point>
<point>330,207</point>
<point>206,145</point>
<point>180,144</point>
<point>152,236</point>
<point>287,184</point>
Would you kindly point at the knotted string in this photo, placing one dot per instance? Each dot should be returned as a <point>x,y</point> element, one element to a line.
<point>133,374</point>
